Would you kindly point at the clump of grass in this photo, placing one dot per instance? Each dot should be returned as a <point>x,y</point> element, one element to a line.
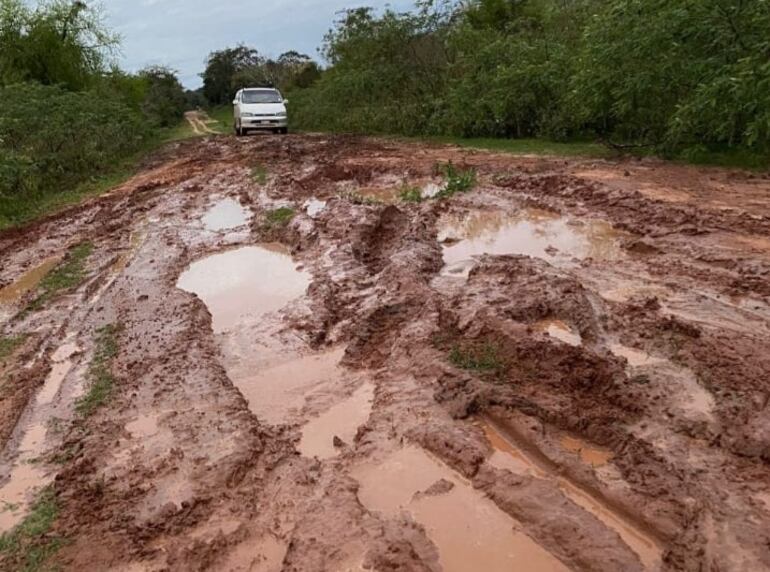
<point>456,180</point>
<point>259,174</point>
<point>279,217</point>
<point>411,194</point>
<point>68,274</point>
<point>484,359</point>
<point>359,199</point>
<point>28,546</point>
<point>8,344</point>
<point>101,380</point>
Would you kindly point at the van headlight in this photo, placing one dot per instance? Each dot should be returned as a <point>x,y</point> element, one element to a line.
<point>247,114</point>
<point>281,114</point>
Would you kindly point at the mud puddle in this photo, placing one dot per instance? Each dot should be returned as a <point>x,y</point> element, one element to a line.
<point>340,422</point>
<point>26,474</point>
<point>559,330</point>
<point>470,532</point>
<point>226,214</point>
<point>530,232</point>
<point>249,281</point>
<point>29,280</point>
<point>508,455</point>
<point>278,390</point>
<point>313,207</point>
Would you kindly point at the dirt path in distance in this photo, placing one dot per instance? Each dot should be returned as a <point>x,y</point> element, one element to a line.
<point>273,360</point>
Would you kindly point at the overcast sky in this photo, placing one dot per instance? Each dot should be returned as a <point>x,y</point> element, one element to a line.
<point>181,33</point>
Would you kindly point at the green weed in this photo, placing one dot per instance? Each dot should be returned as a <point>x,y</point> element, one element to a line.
<point>259,174</point>
<point>68,274</point>
<point>359,199</point>
<point>8,344</point>
<point>279,217</point>
<point>456,180</point>
<point>485,359</point>
<point>101,380</point>
<point>411,194</point>
<point>30,545</point>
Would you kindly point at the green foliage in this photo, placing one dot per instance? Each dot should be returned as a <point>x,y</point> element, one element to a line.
<point>259,174</point>
<point>52,139</point>
<point>484,359</point>
<point>164,102</point>
<point>231,69</point>
<point>58,43</point>
<point>280,216</point>
<point>8,344</point>
<point>101,380</point>
<point>28,546</point>
<point>67,275</point>
<point>456,180</point>
<point>411,194</point>
<point>681,78</point>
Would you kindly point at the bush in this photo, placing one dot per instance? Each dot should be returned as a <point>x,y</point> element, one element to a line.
<point>51,138</point>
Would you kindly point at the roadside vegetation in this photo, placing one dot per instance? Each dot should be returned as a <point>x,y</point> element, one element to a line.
<point>687,79</point>
<point>68,116</point>
<point>31,544</point>
<point>9,344</point>
<point>279,217</point>
<point>100,378</point>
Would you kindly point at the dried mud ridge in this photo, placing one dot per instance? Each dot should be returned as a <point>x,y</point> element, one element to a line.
<point>565,368</point>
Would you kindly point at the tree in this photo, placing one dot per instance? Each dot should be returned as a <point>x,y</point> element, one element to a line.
<point>164,101</point>
<point>221,67</point>
<point>58,43</point>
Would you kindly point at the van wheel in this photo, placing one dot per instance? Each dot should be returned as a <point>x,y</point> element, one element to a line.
<point>238,131</point>
<point>283,130</point>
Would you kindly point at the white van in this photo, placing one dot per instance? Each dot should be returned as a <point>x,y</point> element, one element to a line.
<point>260,108</point>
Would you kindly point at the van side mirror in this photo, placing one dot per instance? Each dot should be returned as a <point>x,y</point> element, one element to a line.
<point>235,102</point>
<point>286,102</point>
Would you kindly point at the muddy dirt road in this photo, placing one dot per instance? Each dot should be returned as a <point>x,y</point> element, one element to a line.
<point>256,355</point>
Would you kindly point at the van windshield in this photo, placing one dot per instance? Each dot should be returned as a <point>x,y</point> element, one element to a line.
<point>262,96</point>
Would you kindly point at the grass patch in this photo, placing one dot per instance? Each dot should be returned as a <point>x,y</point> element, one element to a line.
<point>410,194</point>
<point>484,359</point>
<point>68,274</point>
<point>456,180</point>
<point>279,217</point>
<point>530,146</point>
<point>359,199</point>
<point>8,344</point>
<point>101,380</point>
<point>223,115</point>
<point>259,174</point>
<point>28,546</point>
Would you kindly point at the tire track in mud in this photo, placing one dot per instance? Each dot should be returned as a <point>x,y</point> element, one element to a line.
<point>336,426</point>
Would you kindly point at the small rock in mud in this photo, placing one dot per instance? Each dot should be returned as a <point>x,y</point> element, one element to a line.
<point>440,487</point>
<point>338,443</point>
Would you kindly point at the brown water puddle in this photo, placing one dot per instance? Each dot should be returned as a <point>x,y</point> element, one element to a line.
<point>530,232</point>
<point>224,215</point>
<point>13,292</point>
<point>342,421</point>
<point>559,330</point>
<point>469,530</point>
<point>277,389</point>
<point>508,455</point>
<point>635,358</point>
<point>249,281</point>
<point>314,207</point>
<point>25,479</point>
<point>589,454</point>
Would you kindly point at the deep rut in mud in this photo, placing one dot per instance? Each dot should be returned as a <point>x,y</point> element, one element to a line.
<point>300,354</point>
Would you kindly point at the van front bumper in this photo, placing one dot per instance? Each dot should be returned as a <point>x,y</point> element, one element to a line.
<point>264,122</point>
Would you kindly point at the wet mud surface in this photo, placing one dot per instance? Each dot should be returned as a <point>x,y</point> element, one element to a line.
<point>566,367</point>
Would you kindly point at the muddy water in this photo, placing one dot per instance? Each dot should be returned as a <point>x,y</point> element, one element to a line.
<point>530,232</point>
<point>25,478</point>
<point>508,455</point>
<point>27,475</point>
<point>314,207</point>
<point>559,330</point>
<point>470,532</point>
<point>278,389</point>
<point>589,454</point>
<point>245,282</point>
<point>635,358</point>
<point>13,292</point>
<point>342,421</point>
<point>225,214</point>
